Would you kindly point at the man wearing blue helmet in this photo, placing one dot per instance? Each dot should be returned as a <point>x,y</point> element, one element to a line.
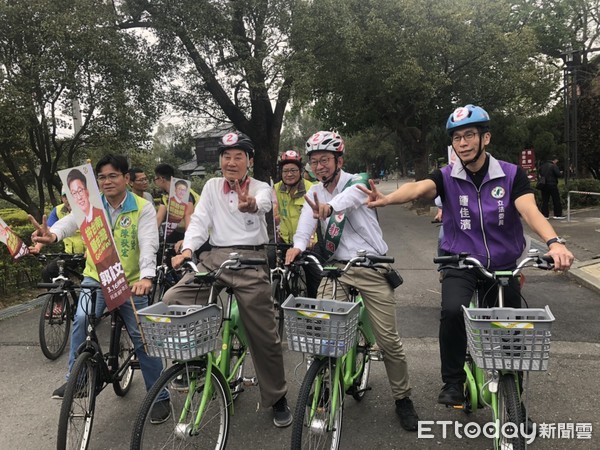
<point>483,200</point>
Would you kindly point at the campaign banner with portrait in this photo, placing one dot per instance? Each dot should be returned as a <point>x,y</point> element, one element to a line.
<point>179,197</point>
<point>15,245</point>
<point>86,204</point>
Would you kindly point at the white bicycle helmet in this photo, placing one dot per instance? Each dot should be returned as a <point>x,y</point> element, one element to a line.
<point>325,141</point>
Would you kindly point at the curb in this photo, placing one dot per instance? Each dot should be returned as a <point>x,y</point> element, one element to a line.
<point>587,273</point>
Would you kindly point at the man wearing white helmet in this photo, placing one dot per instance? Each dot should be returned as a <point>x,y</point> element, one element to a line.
<point>484,200</point>
<point>233,209</point>
<point>336,204</point>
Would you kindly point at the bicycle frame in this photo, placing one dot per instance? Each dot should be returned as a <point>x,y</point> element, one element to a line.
<point>344,366</point>
<point>221,363</point>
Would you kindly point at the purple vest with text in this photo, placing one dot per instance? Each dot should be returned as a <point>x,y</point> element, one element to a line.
<point>484,222</point>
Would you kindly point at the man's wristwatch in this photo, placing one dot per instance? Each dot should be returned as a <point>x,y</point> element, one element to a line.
<point>555,240</point>
<point>149,278</point>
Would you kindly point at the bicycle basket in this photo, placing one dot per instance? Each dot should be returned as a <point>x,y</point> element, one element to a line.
<point>180,332</point>
<point>509,338</point>
<point>320,327</point>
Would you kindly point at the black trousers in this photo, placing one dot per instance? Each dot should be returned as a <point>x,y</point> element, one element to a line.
<point>458,287</point>
<point>547,192</point>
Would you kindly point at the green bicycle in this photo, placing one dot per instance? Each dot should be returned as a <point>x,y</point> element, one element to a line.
<point>502,344</point>
<point>340,338</point>
<point>201,383</point>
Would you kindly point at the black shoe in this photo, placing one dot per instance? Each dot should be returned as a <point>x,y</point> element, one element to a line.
<point>282,416</point>
<point>160,412</point>
<point>408,416</point>
<point>452,394</point>
<point>59,392</point>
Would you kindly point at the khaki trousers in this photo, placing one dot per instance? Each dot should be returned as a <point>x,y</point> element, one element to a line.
<point>378,298</point>
<point>253,293</point>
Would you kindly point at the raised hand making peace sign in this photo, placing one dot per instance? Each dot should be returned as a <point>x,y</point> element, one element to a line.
<point>320,210</point>
<point>246,203</point>
<point>42,234</point>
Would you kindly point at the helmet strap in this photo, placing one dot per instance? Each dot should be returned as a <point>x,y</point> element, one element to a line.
<point>327,181</point>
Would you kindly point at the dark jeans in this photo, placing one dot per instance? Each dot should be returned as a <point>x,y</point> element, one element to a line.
<point>458,287</point>
<point>547,192</point>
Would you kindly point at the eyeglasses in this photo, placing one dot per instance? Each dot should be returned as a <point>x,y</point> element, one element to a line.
<point>141,180</point>
<point>323,161</point>
<point>78,193</point>
<point>290,171</point>
<point>468,136</point>
<point>110,176</point>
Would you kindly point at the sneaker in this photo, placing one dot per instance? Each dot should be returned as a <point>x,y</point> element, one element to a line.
<point>282,416</point>
<point>547,217</point>
<point>452,395</point>
<point>160,412</point>
<point>559,217</point>
<point>409,419</point>
<point>179,384</point>
<point>59,392</point>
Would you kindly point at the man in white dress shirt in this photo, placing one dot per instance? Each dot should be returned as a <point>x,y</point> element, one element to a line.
<point>231,212</point>
<point>348,226</point>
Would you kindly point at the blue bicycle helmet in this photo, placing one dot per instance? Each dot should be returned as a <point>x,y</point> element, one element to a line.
<point>469,115</point>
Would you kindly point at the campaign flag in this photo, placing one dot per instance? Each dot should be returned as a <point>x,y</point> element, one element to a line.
<point>179,197</point>
<point>15,245</point>
<point>88,210</point>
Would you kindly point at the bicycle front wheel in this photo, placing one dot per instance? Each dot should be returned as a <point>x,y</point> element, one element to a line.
<point>77,410</point>
<point>123,348</point>
<point>55,324</point>
<point>278,296</point>
<point>362,365</point>
<point>199,415</point>
<point>318,417</point>
<point>237,358</point>
<point>509,414</point>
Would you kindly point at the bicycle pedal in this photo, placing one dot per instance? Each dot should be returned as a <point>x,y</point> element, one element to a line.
<point>135,364</point>
<point>249,381</point>
<point>376,355</point>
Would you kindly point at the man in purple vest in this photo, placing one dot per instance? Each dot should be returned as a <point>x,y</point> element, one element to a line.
<point>483,200</point>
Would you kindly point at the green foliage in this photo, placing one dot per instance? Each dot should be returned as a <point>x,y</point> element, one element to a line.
<point>404,65</point>
<point>57,56</point>
<point>582,185</point>
<point>14,217</point>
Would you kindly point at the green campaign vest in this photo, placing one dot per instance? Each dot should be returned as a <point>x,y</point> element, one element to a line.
<point>125,234</point>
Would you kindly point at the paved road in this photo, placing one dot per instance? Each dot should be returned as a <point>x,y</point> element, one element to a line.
<point>566,393</point>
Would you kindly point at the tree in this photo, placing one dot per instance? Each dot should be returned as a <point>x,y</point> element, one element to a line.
<point>231,60</point>
<point>406,64</point>
<point>570,29</point>
<point>55,54</point>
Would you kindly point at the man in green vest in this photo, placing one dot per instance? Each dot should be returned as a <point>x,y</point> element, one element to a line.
<point>133,223</point>
<point>162,178</point>
<point>290,192</point>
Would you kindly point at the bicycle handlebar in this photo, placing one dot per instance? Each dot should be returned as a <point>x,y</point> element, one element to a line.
<point>233,263</point>
<point>464,261</point>
<point>361,260</point>
<point>65,256</point>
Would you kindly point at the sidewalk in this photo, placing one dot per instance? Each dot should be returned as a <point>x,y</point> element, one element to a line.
<point>582,234</point>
